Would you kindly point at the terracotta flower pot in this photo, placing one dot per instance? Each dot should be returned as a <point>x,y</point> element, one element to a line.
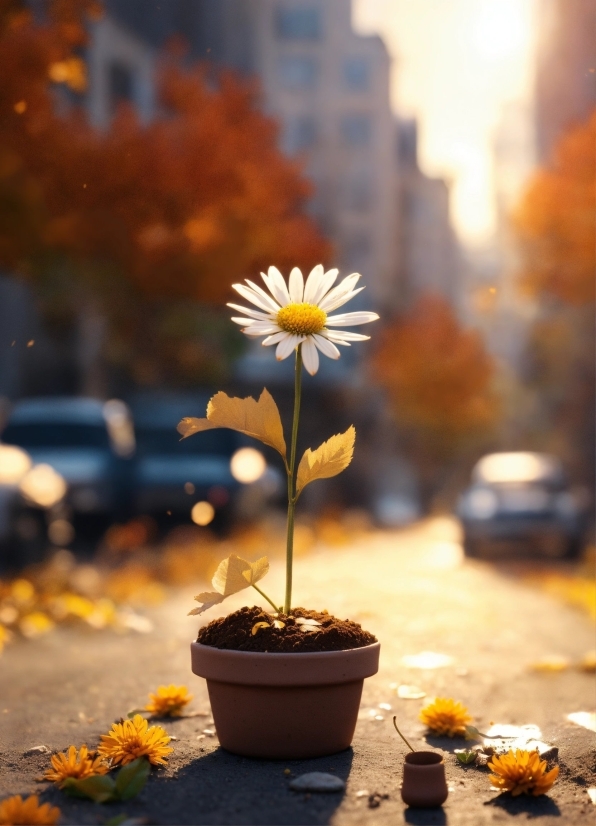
<point>285,706</point>
<point>424,783</point>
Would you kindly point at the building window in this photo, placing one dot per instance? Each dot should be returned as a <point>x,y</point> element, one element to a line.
<point>121,83</point>
<point>300,134</point>
<point>298,22</point>
<point>356,74</point>
<point>298,72</point>
<point>356,129</point>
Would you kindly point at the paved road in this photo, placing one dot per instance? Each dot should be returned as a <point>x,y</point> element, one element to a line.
<point>415,592</point>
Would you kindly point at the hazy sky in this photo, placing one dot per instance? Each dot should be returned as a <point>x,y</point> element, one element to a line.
<point>455,63</point>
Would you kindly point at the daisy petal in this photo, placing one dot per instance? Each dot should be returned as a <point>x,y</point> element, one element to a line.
<point>244,322</point>
<point>350,319</point>
<point>274,339</point>
<point>255,299</point>
<point>287,346</point>
<point>277,286</point>
<point>256,330</point>
<point>326,347</point>
<point>265,296</point>
<point>296,286</point>
<point>342,336</point>
<point>343,288</point>
<point>343,299</point>
<point>249,312</point>
<point>313,282</point>
<point>310,356</point>
<point>325,284</point>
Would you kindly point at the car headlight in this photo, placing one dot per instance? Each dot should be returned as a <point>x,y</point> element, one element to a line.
<point>42,486</point>
<point>247,465</point>
<point>481,503</point>
<point>14,464</point>
<point>203,513</point>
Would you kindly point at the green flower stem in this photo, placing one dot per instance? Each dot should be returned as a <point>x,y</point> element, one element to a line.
<point>264,595</point>
<point>292,481</point>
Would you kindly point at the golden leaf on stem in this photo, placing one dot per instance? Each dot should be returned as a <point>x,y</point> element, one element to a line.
<point>327,460</point>
<point>233,574</point>
<point>259,419</point>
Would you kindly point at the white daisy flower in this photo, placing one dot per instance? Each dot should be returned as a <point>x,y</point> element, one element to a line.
<point>298,313</point>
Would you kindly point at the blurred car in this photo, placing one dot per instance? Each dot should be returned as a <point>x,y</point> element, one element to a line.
<point>522,501</point>
<point>30,504</point>
<point>212,476</point>
<point>88,442</point>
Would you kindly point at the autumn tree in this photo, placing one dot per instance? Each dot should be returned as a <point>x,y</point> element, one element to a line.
<point>148,221</point>
<point>555,224</point>
<point>438,378</point>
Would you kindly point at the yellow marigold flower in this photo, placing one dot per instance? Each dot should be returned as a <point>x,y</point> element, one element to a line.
<point>71,764</point>
<point>135,738</point>
<point>14,811</point>
<point>446,716</point>
<point>521,773</point>
<point>168,701</point>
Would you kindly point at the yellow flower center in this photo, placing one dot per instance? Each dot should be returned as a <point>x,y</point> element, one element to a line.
<point>301,319</point>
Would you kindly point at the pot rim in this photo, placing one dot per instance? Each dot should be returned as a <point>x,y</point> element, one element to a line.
<point>275,668</point>
<point>411,762</point>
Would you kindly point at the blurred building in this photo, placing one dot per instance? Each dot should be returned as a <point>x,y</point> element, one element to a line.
<point>120,67</point>
<point>566,69</point>
<point>429,257</point>
<point>327,86</point>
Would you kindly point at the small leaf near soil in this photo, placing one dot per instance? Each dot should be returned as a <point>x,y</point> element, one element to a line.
<point>327,460</point>
<point>132,778</point>
<point>466,757</point>
<point>259,419</point>
<point>232,575</point>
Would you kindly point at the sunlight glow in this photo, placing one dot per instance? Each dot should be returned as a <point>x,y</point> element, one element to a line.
<point>455,66</point>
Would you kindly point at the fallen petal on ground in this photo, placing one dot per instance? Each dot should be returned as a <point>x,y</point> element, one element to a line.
<point>410,692</point>
<point>587,719</point>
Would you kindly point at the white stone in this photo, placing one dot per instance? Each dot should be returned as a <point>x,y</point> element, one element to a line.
<point>36,750</point>
<point>317,782</point>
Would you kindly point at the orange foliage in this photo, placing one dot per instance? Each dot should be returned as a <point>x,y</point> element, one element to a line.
<point>182,207</point>
<point>438,377</point>
<point>556,220</point>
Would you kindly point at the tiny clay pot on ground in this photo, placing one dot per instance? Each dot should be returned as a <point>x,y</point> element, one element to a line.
<point>424,784</point>
<point>285,706</point>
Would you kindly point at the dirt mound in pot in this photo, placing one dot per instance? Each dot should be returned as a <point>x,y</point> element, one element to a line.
<point>303,630</point>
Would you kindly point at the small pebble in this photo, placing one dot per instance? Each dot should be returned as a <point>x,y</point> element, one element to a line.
<point>317,782</point>
<point>385,706</point>
<point>36,750</point>
<point>363,793</point>
<point>287,772</point>
<point>209,732</point>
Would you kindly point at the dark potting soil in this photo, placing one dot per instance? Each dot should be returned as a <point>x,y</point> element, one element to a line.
<point>235,632</point>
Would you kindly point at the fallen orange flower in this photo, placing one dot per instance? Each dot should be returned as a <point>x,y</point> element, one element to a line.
<point>522,772</point>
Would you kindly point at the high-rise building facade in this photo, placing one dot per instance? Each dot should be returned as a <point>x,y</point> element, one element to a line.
<point>566,69</point>
<point>329,89</point>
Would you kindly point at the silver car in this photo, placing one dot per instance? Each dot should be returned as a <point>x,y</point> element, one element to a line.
<point>522,502</point>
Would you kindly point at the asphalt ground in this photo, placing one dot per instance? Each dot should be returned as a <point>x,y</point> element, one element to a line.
<point>416,593</point>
